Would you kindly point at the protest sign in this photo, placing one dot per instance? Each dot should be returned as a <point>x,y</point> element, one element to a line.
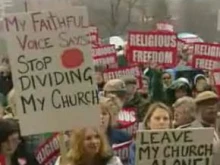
<point>215,79</point>
<point>52,70</point>
<point>122,151</point>
<point>206,56</point>
<point>104,55</point>
<point>165,26</point>
<point>2,160</point>
<point>93,33</point>
<point>153,47</point>
<point>123,72</point>
<point>48,152</point>
<point>127,120</point>
<point>172,147</point>
<point>41,5</point>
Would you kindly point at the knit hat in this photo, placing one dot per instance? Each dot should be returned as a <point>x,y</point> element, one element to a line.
<point>129,80</point>
<point>198,76</point>
<point>115,85</point>
<point>207,95</point>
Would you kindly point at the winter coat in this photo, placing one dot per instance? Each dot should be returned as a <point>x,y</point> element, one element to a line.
<point>216,141</point>
<point>116,136</point>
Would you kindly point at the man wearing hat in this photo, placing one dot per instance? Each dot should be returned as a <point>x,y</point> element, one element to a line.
<point>133,99</point>
<point>116,87</point>
<point>205,116</point>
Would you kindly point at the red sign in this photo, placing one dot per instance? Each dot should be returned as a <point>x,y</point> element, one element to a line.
<point>153,47</point>
<point>122,151</point>
<point>93,33</point>
<point>128,121</point>
<point>104,55</point>
<point>115,73</point>
<point>164,26</point>
<point>2,160</point>
<point>216,79</point>
<point>206,56</point>
<point>48,152</point>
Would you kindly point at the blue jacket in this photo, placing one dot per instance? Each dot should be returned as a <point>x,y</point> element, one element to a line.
<point>116,136</point>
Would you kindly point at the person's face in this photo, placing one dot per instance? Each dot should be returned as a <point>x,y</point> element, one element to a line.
<point>159,120</point>
<point>166,79</point>
<point>179,93</point>
<point>8,147</point>
<point>131,89</point>
<point>99,77</point>
<point>208,110</point>
<point>92,142</point>
<point>200,84</point>
<point>105,119</point>
<point>180,116</point>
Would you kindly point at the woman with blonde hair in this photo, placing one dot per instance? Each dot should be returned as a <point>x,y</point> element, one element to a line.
<point>110,108</point>
<point>90,147</point>
<point>158,116</point>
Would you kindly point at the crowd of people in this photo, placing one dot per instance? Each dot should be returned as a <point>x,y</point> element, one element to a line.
<point>166,103</point>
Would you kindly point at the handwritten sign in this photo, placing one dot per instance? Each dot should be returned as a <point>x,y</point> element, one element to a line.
<point>206,56</point>
<point>52,70</point>
<point>153,47</point>
<point>171,147</point>
<point>40,5</point>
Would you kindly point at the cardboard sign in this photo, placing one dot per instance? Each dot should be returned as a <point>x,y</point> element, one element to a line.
<point>164,26</point>
<point>122,151</point>
<point>52,70</point>
<point>41,5</point>
<point>2,160</point>
<point>128,121</point>
<point>48,152</point>
<point>104,55</point>
<point>115,73</point>
<point>172,147</point>
<point>93,33</point>
<point>153,47</point>
<point>206,56</point>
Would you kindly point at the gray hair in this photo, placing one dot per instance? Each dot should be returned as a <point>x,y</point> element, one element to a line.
<point>189,105</point>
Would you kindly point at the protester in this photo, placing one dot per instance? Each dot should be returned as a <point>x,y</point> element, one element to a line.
<point>205,116</point>
<point>200,83</point>
<point>159,116</point>
<point>134,99</point>
<point>184,109</point>
<point>110,108</point>
<point>89,146</point>
<point>13,147</point>
<point>178,89</point>
<point>99,77</point>
<point>116,87</point>
<point>167,80</point>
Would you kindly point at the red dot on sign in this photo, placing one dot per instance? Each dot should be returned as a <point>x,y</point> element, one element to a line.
<point>72,58</point>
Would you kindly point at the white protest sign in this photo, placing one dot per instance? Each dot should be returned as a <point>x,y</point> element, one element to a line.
<point>52,70</point>
<point>39,5</point>
<point>172,147</point>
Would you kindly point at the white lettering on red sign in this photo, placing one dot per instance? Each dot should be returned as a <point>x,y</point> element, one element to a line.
<point>146,40</point>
